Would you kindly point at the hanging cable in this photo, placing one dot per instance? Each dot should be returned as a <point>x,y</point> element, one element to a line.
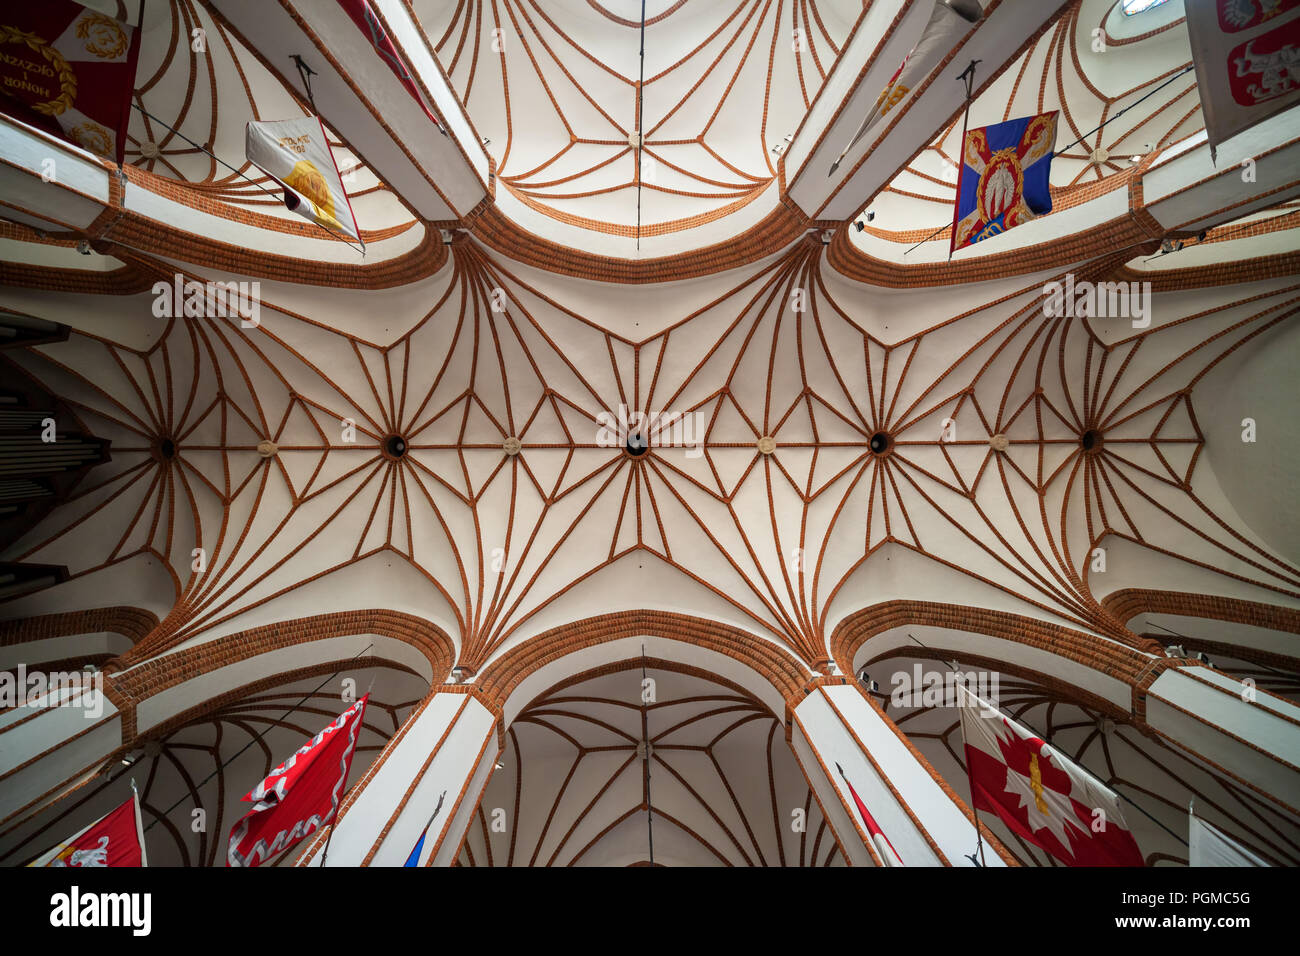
<point>225,763</point>
<point>1126,109</point>
<point>241,175</point>
<point>640,133</point>
<point>1061,151</point>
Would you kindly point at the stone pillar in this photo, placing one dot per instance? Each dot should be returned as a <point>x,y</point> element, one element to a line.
<point>927,823</point>
<point>449,745</point>
<point>52,738</point>
<point>1246,733</point>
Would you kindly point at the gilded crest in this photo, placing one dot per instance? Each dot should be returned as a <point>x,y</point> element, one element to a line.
<point>93,137</point>
<point>104,36</point>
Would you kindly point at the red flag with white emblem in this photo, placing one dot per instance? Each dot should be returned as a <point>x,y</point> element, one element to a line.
<point>301,795</point>
<point>887,851</point>
<point>1039,794</point>
<point>115,839</point>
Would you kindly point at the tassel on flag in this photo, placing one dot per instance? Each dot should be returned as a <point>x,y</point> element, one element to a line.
<point>1210,846</point>
<point>886,849</point>
<point>115,839</point>
<point>1005,178</point>
<point>301,795</point>
<point>297,155</point>
<point>1039,794</point>
<point>414,858</point>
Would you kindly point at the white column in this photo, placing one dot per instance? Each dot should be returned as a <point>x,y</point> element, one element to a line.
<point>836,723</point>
<point>1249,733</point>
<point>50,742</point>
<point>448,746</point>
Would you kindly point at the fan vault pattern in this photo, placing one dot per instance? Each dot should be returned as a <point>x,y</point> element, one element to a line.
<point>572,70</point>
<point>1100,424</point>
<point>721,781</point>
<point>1155,781</point>
<point>441,447</point>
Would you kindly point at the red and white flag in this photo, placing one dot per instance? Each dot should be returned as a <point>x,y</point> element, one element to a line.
<point>301,795</point>
<point>1039,794</point>
<point>949,22</point>
<point>363,15</point>
<point>115,839</point>
<point>1247,55</point>
<point>886,849</point>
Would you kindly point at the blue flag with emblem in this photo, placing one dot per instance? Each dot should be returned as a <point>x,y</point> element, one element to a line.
<point>1005,178</point>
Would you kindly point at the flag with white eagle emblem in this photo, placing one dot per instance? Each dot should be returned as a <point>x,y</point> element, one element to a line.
<point>1040,795</point>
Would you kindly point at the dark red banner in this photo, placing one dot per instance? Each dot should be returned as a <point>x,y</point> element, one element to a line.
<point>112,840</point>
<point>368,23</point>
<point>69,70</point>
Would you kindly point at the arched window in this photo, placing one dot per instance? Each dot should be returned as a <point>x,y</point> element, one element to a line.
<point>1134,7</point>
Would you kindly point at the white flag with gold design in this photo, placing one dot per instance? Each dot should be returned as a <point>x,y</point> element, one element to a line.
<point>296,154</point>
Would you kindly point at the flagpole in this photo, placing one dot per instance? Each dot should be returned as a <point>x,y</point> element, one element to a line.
<point>974,810</point>
<point>970,780</point>
<point>259,736</point>
<point>241,175</point>
<point>306,72</point>
<point>645,737</point>
<point>968,75</point>
<point>326,852</point>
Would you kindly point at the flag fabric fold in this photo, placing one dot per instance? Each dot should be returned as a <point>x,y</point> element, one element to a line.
<point>115,839</point>
<point>1247,56</point>
<point>301,795</point>
<point>1210,846</point>
<point>69,70</point>
<point>297,155</point>
<point>363,15</point>
<point>1040,795</point>
<point>883,846</point>
<point>941,34</point>
<point>1005,178</point>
